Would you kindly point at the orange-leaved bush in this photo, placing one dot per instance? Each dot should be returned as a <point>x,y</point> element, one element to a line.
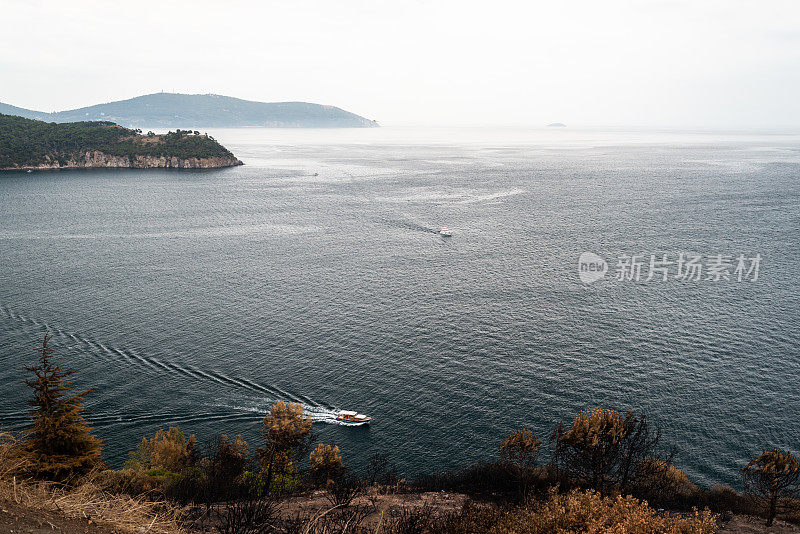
<point>588,511</point>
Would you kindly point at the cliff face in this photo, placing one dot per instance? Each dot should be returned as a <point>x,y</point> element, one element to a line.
<point>96,158</point>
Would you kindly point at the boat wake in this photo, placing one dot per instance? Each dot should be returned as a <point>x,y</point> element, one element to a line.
<point>412,225</point>
<point>266,394</point>
<point>319,414</point>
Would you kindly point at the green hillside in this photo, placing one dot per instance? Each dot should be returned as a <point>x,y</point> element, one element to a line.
<point>26,142</point>
<point>170,110</point>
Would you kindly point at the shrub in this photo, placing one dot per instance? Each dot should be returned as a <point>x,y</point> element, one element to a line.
<point>326,463</point>
<point>589,511</point>
<point>662,483</point>
<point>130,481</point>
<point>344,488</point>
<point>227,459</point>
<point>481,479</point>
<point>774,475</point>
<point>13,457</point>
<point>248,515</point>
<point>169,451</point>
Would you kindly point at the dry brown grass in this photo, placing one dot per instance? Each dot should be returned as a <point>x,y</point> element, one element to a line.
<point>588,511</point>
<point>85,500</point>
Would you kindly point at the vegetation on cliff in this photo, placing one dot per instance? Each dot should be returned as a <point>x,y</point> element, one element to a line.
<point>32,143</point>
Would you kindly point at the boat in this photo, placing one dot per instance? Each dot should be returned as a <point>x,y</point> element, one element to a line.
<point>445,232</point>
<point>349,417</point>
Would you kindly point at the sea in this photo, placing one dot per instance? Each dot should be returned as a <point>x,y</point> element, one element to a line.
<point>654,271</point>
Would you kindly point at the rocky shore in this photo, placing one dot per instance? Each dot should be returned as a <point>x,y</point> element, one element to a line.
<point>98,159</point>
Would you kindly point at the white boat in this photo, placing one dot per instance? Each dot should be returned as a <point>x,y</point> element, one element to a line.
<point>445,232</point>
<point>349,417</point>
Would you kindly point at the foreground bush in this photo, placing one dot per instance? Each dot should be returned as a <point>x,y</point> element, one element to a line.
<point>169,451</point>
<point>88,499</point>
<point>663,484</point>
<point>588,511</point>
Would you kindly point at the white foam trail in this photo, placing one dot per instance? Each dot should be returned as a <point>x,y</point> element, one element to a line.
<point>319,414</point>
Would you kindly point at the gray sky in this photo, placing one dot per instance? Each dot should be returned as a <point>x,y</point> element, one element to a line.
<point>698,63</point>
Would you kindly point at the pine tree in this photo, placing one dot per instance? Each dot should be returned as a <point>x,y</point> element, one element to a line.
<point>775,475</point>
<point>59,439</point>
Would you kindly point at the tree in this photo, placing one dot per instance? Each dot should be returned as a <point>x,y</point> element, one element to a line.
<point>603,447</point>
<point>287,435</point>
<point>59,440</point>
<point>326,463</point>
<point>518,454</point>
<point>775,475</point>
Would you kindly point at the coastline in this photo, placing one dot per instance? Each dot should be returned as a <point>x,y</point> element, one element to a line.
<point>97,159</point>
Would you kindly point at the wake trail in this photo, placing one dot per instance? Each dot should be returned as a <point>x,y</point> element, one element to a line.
<point>115,355</point>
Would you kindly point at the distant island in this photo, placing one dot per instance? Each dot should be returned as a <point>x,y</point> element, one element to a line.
<point>173,110</point>
<point>32,144</point>
<point>556,125</point>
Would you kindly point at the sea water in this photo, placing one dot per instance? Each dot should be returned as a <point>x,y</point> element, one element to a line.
<point>315,273</point>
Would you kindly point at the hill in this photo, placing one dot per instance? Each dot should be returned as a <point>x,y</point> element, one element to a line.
<point>33,144</point>
<point>172,110</point>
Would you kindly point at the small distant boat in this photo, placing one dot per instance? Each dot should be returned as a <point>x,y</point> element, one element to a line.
<point>445,232</point>
<point>348,417</point>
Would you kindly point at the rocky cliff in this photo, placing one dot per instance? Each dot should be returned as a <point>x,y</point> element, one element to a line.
<point>97,158</point>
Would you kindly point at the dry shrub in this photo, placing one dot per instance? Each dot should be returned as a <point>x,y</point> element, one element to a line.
<point>13,458</point>
<point>130,481</point>
<point>722,497</point>
<point>325,463</point>
<point>663,484</point>
<point>228,458</point>
<point>88,501</point>
<point>588,511</point>
<point>168,450</point>
<point>470,519</point>
<point>518,453</point>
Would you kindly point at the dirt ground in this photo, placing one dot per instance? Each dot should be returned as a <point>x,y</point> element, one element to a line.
<point>743,524</point>
<point>384,505</point>
<point>17,518</point>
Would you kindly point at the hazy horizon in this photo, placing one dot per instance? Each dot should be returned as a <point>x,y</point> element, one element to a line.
<point>670,64</point>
